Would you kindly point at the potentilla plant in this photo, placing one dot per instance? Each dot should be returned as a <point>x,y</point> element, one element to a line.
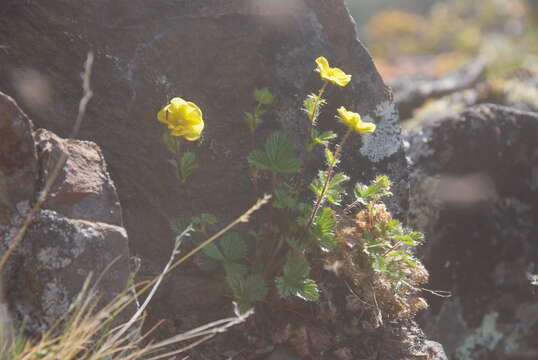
<point>274,260</point>
<point>184,120</point>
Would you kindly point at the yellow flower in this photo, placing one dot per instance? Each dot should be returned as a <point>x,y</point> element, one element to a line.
<point>334,75</point>
<point>183,119</point>
<point>354,122</point>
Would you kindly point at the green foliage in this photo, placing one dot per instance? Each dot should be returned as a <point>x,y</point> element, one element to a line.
<point>253,119</point>
<point>278,157</point>
<point>294,281</point>
<point>321,139</point>
<point>300,231</point>
<point>203,220</point>
<point>377,189</point>
<point>324,229</point>
<point>335,188</point>
<point>170,143</point>
<point>247,289</point>
<point>263,96</point>
<point>312,105</point>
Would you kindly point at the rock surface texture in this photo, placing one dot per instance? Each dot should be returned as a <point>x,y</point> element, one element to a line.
<point>474,191</point>
<point>77,232</point>
<point>211,52</point>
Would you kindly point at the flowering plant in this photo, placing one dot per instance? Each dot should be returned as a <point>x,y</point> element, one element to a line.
<point>184,120</point>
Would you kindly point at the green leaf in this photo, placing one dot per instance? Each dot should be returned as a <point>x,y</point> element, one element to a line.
<point>204,219</point>
<point>263,96</point>
<point>247,290</point>
<point>309,291</point>
<point>285,198</point>
<point>335,189</point>
<point>174,163</point>
<point>324,228</point>
<point>312,105</point>
<point>378,188</point>
<point>169,142</point>
<point>330,159</point>
<point>233,247</point>
<point>178,224</point>
<point>234,269</point>
<point>255,287</point>
<point>206,263</point>
<point>213,251</point>
<point>322,139</point>
<point>325,137</point>
<point>278,156</point>
<point>296,269</point>
<point>297,245</point>
<point>293,282</point>
<point>187,165</point>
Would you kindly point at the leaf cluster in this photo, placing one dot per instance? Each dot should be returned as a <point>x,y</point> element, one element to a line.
<point>278,155</point>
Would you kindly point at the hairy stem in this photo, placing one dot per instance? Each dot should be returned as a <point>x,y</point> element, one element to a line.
<point>330,171</point>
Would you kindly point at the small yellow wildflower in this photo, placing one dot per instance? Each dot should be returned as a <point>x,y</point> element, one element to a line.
<point>334,75</point>
<point>183,118</point>
<point>354,121</point>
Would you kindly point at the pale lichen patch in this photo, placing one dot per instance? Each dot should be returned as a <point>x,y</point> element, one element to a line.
<point>487,336</point>
<point>386,139</point>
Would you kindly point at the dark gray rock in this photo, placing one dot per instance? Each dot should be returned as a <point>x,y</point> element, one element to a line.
<point>57,256</point>
<point>212,52</point>
<point>474,191</point>
<point>83,189</point>
<point>59,251</point>
<point>18,160</point>
<point>410,92</point>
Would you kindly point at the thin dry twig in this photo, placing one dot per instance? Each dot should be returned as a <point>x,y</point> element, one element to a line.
<point>87,95</point>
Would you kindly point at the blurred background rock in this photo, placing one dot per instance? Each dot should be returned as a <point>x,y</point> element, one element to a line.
<point>426,40</point>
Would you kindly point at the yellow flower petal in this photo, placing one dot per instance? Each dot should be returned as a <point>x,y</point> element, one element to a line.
<point>333,75</point>
<point>183,119</point>
<point>353,121</point>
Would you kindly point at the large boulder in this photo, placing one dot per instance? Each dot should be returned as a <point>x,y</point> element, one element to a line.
<point>77,233</point>
<point>474,192</point>
<point>214,53</point>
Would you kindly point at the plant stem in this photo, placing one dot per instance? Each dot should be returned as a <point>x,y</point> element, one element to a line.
<point>315,114</point>
<point>328,179</point>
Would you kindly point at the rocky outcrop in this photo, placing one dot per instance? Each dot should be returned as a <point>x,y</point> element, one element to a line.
<point>474,191</point>
<point>211,52</point>
<point>214,53</point>
<point>410,92</point>
<point>77,233</point>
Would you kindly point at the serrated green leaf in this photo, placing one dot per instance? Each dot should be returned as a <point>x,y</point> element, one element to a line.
<point>232,246</point>
<point>255,287</point>
<point>377,189</point>
<point>309,291</point>
<point>383,182</point>
<point>278,155</point>
<point>312,105</point>
<point>234,269</point>
<point>213,251</point>
<point>285,198</point>
<point>263,96</point>
<point>335,189</point>
<point>206,263</point>
<point>329,158</point>
<point>297,245</point>
<point>324,228</point>
<point>296,269</point>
